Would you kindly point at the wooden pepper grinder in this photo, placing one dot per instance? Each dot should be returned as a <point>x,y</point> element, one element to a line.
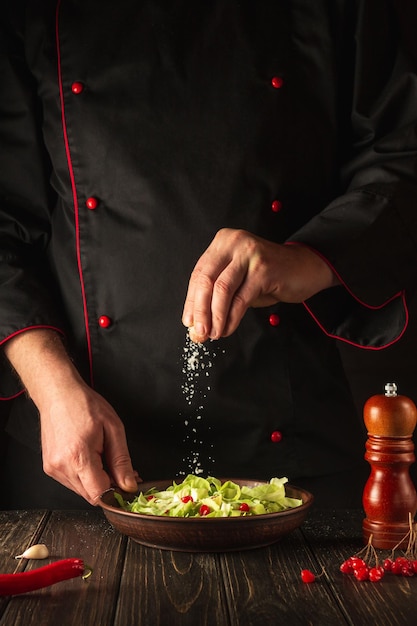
<point>389,496</point>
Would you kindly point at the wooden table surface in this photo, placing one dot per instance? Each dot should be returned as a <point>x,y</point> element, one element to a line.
<point>133,585</point>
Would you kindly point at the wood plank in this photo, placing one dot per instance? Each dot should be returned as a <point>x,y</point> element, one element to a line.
<point>18,530</point>
<point>163,587</point>
<point>86,535</point>
<point>132,584</point>
<point>265,587</point>
<point>393,600</point>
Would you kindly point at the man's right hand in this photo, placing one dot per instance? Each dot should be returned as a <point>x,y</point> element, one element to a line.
<point>78,427</point>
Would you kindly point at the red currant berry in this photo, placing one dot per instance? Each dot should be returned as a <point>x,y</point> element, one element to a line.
<point>357,562</point>
<point>204,510</point>
<point>186,499</point>
<point>414,566</point>
<point>375,574</point>
<point>307,576</point>
<point>396,568</point>
<point>362,573</point>
<point>398,565</point>
<point>387,564</point>
<point>150,497</point>
<point>244,507</point>
<point>407,570</point>
<point>346,567</point>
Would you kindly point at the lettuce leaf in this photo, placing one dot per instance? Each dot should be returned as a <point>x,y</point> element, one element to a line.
<point>209,497</point>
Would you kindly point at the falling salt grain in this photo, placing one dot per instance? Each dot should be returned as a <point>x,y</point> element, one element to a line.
<point>197,358</point>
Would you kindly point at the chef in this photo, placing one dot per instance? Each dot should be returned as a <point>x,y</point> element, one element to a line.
<point>196,201</point>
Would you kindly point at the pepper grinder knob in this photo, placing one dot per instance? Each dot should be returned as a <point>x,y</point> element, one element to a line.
<point>389,496</point>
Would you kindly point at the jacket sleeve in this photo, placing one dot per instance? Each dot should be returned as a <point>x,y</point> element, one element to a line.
<point>28,296</point>
<point>368,235</point>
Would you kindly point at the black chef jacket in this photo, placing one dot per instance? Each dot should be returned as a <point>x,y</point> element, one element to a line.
<point>131,132</point>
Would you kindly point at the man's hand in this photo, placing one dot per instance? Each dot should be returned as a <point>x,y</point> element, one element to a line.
<point>239,270</point>
<point>78,430</point>
<point>78,427</point>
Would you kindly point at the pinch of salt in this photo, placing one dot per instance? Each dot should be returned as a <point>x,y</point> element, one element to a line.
<point>195,338</point>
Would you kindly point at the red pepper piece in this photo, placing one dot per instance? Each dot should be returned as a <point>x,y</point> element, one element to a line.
<point>12,584</point>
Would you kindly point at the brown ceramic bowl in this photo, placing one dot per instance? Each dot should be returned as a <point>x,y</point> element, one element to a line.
<point>219,534</point>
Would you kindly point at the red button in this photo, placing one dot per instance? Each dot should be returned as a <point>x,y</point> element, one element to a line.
<point>104,321</point>
<point>77,87</point>
<point>276,206</point>
<point>276,436</point>
<point>91,203</point>
<point>274,319</point>
<point>277,82</point>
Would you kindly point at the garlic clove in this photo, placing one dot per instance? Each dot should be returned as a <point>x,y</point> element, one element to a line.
<point>37,551</point>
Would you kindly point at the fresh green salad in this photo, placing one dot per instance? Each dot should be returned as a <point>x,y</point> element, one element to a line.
<point>209,497</point>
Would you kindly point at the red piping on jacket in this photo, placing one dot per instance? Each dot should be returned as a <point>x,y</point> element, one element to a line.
<point>74,193</point>
<point>18,332</point>
<point>357,345</point>
<point>368,306</point>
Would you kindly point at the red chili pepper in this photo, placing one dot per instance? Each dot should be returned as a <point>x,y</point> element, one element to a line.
<point>12,584</point>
